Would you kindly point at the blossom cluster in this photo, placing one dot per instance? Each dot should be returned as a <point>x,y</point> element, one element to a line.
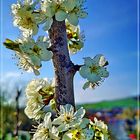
<point>30,53</point>
<point>29,14</point>
<point>94,70</point>
<point>70,125</point>
<point>28,18</point>
<point>39,93</point>
<point>75,38</point>
<point>71,10</point>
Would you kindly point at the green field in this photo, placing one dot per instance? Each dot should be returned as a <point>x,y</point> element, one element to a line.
<point>123,103</point>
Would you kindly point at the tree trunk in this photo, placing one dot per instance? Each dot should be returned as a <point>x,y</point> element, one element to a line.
<point>63,66</point>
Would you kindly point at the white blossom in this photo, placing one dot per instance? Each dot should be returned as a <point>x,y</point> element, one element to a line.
<point>75,11</point>
<point>94,70</point>
<point>34,106</point>
<point>100,124</point>
<point>80,132</point>
<point>71,10</point>
<point>25,18</point>
<point>68,118</point>
<point>32,53</point>
<point>100,130</point>
<point>75,38</point>
<point>39,92</point>
<point>45,130</point>
<point>25,63</point>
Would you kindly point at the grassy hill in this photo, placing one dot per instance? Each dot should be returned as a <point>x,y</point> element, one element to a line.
<point>123,103</point>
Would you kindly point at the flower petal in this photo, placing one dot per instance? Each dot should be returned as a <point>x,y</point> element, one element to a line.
<point>57,121</point>
<point>93,78</point>
<point>47,120</point>
<point>88,133</point>
<point>102,61</point>
<point>75,123</point>
<point>69,108</point>
<point>50,11</point>
<point>63,127</point>
<point>54,134</point>
<point>35,60</point>
<point>61,15</point>
<point>96,59</point>
<point>73,19</point>
<point>84,71</point>
<point>69,4</point>
<point>35,30</point>
<point>45,55</point>
<point>48,24</point>
<point>67,136</point>
<point>62,109</point>
<point>102,72</point>
<point>88,61</point>
<point>80,113</point>
<point>84,123</point>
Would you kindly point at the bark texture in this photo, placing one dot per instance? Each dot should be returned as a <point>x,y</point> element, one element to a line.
<point>63,66</point>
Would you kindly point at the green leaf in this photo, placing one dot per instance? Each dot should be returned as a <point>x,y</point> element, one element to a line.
<point>11,45</point>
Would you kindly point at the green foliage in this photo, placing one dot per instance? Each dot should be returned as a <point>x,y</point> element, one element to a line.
<point>130,102</point>
<point>22,136</point>
<point>7,119</point>
<point>11,45</point>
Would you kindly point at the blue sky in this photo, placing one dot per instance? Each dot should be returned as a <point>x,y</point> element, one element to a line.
<point>110,29</point>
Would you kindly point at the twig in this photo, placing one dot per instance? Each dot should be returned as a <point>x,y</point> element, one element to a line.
<point>17,113</point>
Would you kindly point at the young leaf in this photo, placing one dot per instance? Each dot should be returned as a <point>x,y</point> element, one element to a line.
<point>9,44</point>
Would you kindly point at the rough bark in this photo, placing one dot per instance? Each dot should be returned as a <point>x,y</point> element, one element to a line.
<point>63,66</point>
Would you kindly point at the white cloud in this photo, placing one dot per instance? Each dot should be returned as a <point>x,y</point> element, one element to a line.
<point>9,75</point>
<point>12,74</point>
<point>9,83</point>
